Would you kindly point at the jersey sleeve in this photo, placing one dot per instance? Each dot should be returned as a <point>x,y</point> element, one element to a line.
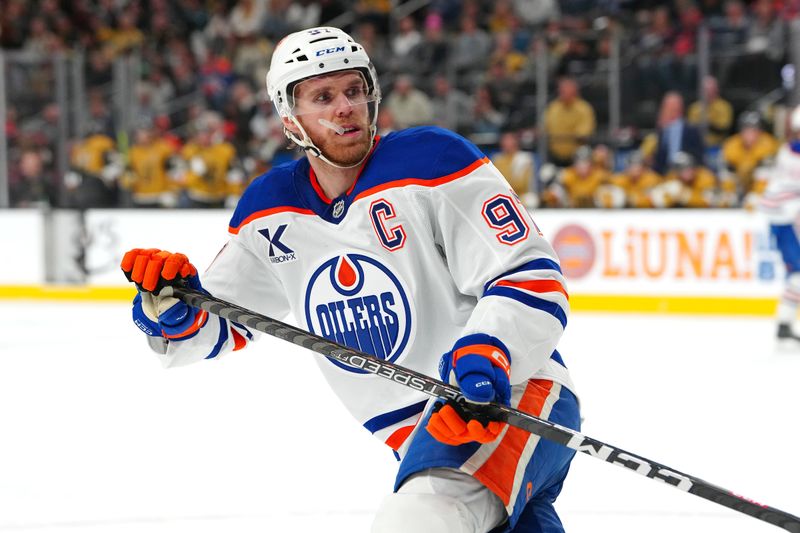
<point>238,276</point>
<point>495,252</point>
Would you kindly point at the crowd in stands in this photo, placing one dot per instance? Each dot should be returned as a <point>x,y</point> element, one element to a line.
<point>466,65</point>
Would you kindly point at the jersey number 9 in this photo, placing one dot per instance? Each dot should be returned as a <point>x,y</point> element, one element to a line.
<point>502,214</point>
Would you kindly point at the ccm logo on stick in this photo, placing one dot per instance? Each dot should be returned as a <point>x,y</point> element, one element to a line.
<point>637,464</point>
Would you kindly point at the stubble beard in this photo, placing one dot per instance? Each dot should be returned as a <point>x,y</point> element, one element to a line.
<point>346,153</point>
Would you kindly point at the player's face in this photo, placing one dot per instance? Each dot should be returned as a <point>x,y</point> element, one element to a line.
<point>338,101</point>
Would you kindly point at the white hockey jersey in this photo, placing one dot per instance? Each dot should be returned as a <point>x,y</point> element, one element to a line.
<point>428,245</point>
<point>781,199</point>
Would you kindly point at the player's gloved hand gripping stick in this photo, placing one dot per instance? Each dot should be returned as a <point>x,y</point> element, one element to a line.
<point>481,366</point>
<point>492,411</point>
<point>155,311</point>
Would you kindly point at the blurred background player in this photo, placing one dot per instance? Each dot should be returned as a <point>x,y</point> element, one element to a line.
<point>632,187</point>
<point>781,205</point>
<point>210,174</point>
<point>95,167</point>
<point>743,153</point>
<point>151,159</point>
<point>687,184</point>
<point>577,185</point>
<point>362,254</point>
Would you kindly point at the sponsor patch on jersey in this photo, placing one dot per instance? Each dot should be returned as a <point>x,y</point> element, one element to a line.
<point>278,251</point>
<point>356,300</point>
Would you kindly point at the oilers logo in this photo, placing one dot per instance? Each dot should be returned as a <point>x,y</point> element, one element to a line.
<point>357,301</point>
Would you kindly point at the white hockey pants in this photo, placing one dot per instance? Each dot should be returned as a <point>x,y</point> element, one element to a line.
<point>440,500</point>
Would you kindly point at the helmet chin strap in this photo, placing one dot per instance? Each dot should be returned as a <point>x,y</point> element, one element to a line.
<point>308,145</point>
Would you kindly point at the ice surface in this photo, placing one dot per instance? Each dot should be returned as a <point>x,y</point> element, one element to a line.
<point>96,437</point>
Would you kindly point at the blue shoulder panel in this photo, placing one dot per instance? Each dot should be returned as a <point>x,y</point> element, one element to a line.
<point>275,188</point>
<point>426,152</point>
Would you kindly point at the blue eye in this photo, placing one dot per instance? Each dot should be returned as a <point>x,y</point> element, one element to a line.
<point>355,91</point>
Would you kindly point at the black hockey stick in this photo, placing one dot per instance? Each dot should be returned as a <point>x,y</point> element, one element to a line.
<point>530,423</point>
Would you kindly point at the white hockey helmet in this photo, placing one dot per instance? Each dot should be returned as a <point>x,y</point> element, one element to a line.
<point>314,52</point>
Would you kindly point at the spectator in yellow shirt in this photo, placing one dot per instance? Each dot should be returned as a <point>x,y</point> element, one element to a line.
<point>580,182</point>
<point>150,162</point>
<point>744,152</point>
<point>633,187</point>
<point>569,123</point>
<point>717,115</point>
<point>95,167</point>
<point>210,175</point>
<point>517,167</point>
<point>687,184</point>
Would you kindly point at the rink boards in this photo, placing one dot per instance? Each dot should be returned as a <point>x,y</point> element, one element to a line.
<point>649,261</point>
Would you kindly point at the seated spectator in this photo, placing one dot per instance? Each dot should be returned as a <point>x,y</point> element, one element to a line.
<point>248,60</point>
<point>537,12</point>
<point>376,12</point>
<point>302,14</point>
<point>374,44</point>
<point>717,114</point>
<point>148,181</point>
<point>431,55</point>
<point>126,36</point>
<point>486,120</point>
<point>579,183</point>
<point>409,105</point>
<point>30,185</point>
<point>765,47</point>
<point>451,108</point>
<point>504,52</point>
<point>517,167</point>
<point>729,32</point>
<point>633,187</point>
<point>504,88</point>
<point>687,184</point>
<point>210,173</point>
<point>471,48</point>
<point>744,152</point>
<point>403,43</point>
<point>500,20</point>
<point>766,35</point>
<point>672,136</point>
<point>95,167</point>
<point>247,17</point>
<point>569,122</point>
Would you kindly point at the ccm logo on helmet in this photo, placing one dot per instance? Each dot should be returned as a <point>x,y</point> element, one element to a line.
<point>326,51</point>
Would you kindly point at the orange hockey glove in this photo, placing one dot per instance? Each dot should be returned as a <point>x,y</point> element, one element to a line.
<point>154,269</point>
<point>156,313</point>
<point>456,423</point>
<point>480,365</point>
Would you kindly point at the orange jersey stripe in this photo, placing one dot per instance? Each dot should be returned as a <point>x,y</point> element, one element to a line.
<point>425,183</point>
<point>498,472</point>
<point>268,212</point>
<point>239,341</point>
<point>492,353</point>
<point>397,438</point>
<point>542,285</point>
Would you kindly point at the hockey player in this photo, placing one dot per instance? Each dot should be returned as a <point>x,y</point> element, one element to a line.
<point>408,247</point>
<point>781,204</point>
